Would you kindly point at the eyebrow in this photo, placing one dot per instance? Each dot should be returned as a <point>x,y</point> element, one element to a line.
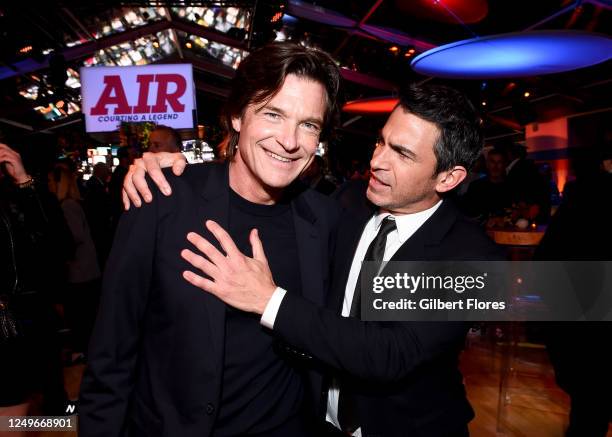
<point>404,150</point>
<point>314,120</point>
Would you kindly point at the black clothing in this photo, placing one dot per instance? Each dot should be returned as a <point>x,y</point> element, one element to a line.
<point>253,373</point>
<point>404,374</point>
<point>35,242</point>
<point>486,199</point>
<point>97,208</point>
<point>580,230</point>
<point>156,360</point>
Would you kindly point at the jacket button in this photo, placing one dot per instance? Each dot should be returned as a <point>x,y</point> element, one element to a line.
<point>210,408</point>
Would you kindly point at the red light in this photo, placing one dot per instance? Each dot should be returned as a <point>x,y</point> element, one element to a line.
<point>382,105</point>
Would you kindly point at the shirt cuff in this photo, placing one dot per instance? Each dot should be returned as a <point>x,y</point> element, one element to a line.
<point>269,315</point>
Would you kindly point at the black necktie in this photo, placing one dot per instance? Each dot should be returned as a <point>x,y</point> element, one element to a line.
<point>375,252</point>
<point>348,416</point>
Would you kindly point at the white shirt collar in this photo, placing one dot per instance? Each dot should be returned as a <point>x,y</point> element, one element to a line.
<point>407,224</point>
<point>509,167</point>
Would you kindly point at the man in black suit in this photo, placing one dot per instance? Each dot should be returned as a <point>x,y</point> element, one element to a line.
<point>389,379</point>
<point>165,358</point>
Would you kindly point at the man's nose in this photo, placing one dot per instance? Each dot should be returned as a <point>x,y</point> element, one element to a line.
<point>379,157</point>
<point>288,137</point>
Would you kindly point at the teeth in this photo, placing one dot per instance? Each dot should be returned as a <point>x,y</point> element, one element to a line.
<point>277,157</point>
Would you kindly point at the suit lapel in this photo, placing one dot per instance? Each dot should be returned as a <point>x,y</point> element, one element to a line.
<point>351,228</point>
<point>215,191</point>
<point>309,250</point>
<point>425,242</point>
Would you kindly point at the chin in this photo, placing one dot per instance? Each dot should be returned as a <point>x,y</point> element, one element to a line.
<point>278,182</point>
<point>377,200</point>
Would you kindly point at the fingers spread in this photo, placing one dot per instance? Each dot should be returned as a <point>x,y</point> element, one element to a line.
<point>152,166</point>
<point>179,166</point>
<point>201,263</point>
<point>224,239</point>
<point>140,183</point>
<point>200,282</point>
<point>130,190</point>
<point>257,246</point>
<point>207,249</point>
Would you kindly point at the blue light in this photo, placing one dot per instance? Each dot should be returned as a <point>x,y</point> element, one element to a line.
<point>289,19</point>
<point>515,55</point>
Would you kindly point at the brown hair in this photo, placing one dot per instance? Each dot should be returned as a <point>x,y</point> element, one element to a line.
<point>175,137</point>
<point>261,75</point>
<point>64,183</point>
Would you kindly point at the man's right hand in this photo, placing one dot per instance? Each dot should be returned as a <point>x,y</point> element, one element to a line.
<point>135,185</point>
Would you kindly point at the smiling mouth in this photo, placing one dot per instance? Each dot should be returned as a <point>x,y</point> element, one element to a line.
<point>278,157</point>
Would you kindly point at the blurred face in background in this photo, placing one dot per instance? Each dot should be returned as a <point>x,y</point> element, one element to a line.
<point>162,141</point>
<point>496,166</point>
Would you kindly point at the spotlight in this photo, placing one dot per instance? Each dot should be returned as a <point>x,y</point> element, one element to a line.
<point>526,94</point>
<point>188,45</point>
<point>483,103</point>
<point>394,49</point>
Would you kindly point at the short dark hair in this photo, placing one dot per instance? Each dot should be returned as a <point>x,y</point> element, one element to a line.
<point>460,140</point>
<point>261,75</point>
<point>497,151</point>
<point>175,137</point>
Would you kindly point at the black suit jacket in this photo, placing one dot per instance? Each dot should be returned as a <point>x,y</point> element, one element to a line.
<point>406,372</point>
<point>156,356</point>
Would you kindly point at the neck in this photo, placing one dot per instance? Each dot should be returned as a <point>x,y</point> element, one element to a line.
<point>412,209</point>
<point>248,186</point>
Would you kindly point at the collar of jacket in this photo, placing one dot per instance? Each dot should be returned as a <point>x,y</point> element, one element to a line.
<point>217,187</point>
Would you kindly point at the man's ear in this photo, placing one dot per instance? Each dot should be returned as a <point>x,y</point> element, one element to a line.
<point>236,123</point>
<point>449,179</point>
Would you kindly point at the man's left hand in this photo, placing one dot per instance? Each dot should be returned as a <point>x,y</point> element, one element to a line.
<point>238,280</point>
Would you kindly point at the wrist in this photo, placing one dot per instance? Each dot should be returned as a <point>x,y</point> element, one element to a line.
<point>265,299</point>
<point>25,181</point>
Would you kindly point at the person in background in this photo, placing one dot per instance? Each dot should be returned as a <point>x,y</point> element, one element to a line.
<point>83,272</point>
<point>527,187</point>
<point>34,244</point>
<point>580,352</point>
<point>97,206</point>
<point>489,196</point>
<point>164,139</point>
<point>315,178</point>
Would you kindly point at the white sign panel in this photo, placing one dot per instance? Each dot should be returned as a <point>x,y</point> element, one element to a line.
<point>163,94</point>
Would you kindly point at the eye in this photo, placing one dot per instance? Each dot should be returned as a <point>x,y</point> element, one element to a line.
<point>272,115</point>
<point>311,126</point>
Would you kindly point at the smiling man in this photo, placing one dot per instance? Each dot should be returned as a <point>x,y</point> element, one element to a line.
<point>169,360</point>
<point>390,379</point>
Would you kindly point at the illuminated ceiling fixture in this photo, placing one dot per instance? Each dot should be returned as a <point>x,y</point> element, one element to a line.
<point>526,94</point>
<point>394,49</point>
<point>519,54</point>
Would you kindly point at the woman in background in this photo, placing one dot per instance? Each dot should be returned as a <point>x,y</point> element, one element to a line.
<point>83,272</point>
